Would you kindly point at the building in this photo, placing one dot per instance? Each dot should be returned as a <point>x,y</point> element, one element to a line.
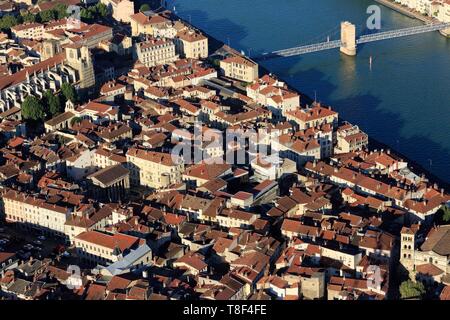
<point>103,249</point>
<point>239,68</point>
<point>35,213</point>
<point>142,24</point>
<point>153,52</point>
<point>191,44</point>
<point>153,169</point>
<point>79,58</point>
<point>111,183</point>
<point>350,138</point>
<point>429,260</point>
<point>312,117</point>
<point>122,10</point>
<point>32,30</point>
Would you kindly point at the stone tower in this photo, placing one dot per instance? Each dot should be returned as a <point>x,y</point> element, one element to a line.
<point>50,48</point>
<point>408,246</point>
<point>348,38</point>
<point>79,58</point>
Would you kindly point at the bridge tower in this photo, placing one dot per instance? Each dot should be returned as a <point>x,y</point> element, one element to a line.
<point>348,38</point>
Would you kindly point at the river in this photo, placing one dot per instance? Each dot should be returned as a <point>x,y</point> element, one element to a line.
<point>402,101</point>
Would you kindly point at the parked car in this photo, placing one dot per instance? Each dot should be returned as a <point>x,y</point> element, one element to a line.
<point>37,242</point>
<point>42,238</point>
<point>28,247</point>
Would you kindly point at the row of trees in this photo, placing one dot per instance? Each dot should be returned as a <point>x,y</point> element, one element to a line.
<point>58,12</point>
<point>49,105</point>
<point>95,12</point>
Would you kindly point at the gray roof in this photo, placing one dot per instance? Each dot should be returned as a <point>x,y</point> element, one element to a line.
<point>110,174</point>
<point>438,240</point>
<point>128,261</point>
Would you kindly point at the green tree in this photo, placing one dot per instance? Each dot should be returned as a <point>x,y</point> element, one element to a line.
<point>445,210</point>
<point>101,9</point>
<point>60,11</point>
<point>68,92</point>
<point>86,15</point>
<point>8,21</point>
<point>411,289</point>
<point>75,120</point>
<point>32,109</point>
<point>144,7</point>
<point>52,103</point>
<point>47,15</point>
<point>29,17</point>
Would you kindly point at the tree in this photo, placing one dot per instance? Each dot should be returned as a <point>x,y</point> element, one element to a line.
<point>411,289</point>
<point>32,109</point>
<point>101,9</point>
<point>52,103</point>
<point>445,213</point>
<point>28,17</point>
<point>8,21</point>
<point>47,15</point>
<point>68,92</point>
<point>75,120</point>
<point>86,15</point>
<point>144,7</point>
<point>60,11</point>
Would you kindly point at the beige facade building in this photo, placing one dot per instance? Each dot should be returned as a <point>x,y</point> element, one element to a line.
<point>239,68</point>
<point>350,138</point>
<point>192,44</point>
<point>313,117</point>
<point>79,58</point>
<point>155,52</point>
<point>430,260</point>
<point>101,248</point>
<point>122,10</point>
<point>153,169</point>
<point>35,213</point>
<point>142,24</point>
<point>33,31</point>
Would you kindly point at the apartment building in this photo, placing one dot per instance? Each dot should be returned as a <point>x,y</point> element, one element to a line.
<point>32,30</point>
<point>142,24</point>
<point>35,213</point>
<point>122,10</point>
<point>153,169</point>
<point>239,68</point>
<point>312,117</point>
<point>101,248</point>
<point>156,51</point>
<point>349,138</point>
<point>191,44</point>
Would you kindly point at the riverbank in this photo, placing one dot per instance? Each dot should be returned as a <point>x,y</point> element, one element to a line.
<point>216,44</point>
<point>406,11</point>
<point>412,14</point>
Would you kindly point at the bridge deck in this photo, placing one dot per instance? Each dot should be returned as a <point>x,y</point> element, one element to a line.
<point>363,39</point>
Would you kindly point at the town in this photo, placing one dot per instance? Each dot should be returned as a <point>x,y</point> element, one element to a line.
<point>119,181</point>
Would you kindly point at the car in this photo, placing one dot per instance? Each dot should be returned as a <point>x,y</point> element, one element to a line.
<point>3,242</point>
<point>37,242</point>
<point>2,229</point>
<point>65,254</point>
<point>28,247</point>
<point>42,238</point>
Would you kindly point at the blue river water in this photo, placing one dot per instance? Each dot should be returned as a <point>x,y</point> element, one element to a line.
<point>402,101</point>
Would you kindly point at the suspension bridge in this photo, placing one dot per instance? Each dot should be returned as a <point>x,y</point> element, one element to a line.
<point>348,42</point>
